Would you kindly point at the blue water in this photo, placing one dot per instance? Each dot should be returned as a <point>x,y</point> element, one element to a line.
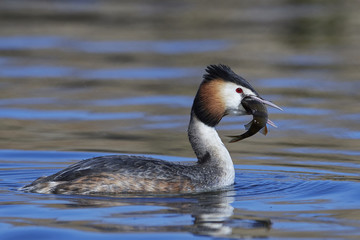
<point>26,114</point>
<point>80,79</point>
<point>43,71</point>
<point>70,44</point>
<point>263,197</point>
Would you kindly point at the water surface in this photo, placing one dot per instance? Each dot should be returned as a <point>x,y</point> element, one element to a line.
<point>80,79</point>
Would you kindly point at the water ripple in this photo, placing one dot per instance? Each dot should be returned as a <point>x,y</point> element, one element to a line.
<point>29,42</point>
<point>31,114</point>
<point>324,151</point>
<point>43,71</point>
<point>136,46</point>
<point>288,187</point>
<point>171,100</point>
<point>162,47</point>
<point>27,101</point>
<point>36,72</point>
<point>140,73</point>
<point>307,111</point>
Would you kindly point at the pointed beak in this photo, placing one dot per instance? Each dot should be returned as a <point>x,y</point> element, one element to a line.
<point>267,102</point>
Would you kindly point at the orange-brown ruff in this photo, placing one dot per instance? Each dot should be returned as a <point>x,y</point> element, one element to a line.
<point>211,100</point>
<point>218,95</point>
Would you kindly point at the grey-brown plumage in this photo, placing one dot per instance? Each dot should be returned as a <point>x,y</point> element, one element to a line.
<point>127,174</point>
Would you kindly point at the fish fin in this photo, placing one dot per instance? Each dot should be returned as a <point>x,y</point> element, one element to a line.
<point>264,130</point>
<point>271,123</point>
<point>248,125</point>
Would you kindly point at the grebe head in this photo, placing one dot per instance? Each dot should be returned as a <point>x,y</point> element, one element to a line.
<point>223,92</point>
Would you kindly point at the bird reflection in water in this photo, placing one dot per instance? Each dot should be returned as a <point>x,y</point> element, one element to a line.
<point>211,214</point>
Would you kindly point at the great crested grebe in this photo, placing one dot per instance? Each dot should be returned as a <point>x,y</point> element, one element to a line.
<point>221,92</point>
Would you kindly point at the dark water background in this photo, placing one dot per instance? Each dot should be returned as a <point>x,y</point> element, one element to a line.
<point>86,78</point>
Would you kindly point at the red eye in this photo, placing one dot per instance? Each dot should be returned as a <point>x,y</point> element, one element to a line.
<point>239,90</point>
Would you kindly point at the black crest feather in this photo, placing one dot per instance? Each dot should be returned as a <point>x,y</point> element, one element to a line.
<point>214,72</point>
<point>224,72</point>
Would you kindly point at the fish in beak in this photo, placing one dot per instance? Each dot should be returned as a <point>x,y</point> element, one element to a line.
<point>255,106</point>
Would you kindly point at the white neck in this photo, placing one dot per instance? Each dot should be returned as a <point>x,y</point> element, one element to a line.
<point>209,149</point>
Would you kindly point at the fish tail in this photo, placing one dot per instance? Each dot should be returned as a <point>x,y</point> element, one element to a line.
<point>235,138</point>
